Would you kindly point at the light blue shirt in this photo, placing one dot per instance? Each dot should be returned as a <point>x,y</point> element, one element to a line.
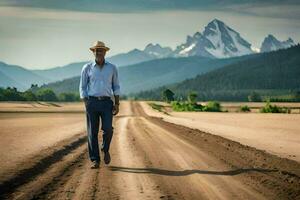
<point>96,81</point>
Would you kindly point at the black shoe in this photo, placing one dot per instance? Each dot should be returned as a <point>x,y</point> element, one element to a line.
<point>95,164</point>
<point>106,158</point>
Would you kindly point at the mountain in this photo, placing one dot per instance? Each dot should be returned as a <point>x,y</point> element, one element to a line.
<point>217,41</point>
<point>132,57</point>
<point>158,51</point>
<point>19,77</point>
<point>271,43</point>
<point>6,81</point>
<point>154,73</point>
<point>60,73</point>
<point>265,73</point>
<point>135,56</point>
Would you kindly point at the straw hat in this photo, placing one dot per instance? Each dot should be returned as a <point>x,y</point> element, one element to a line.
<point>99,45</point>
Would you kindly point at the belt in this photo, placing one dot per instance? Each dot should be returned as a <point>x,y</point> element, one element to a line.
<point>100,97</point>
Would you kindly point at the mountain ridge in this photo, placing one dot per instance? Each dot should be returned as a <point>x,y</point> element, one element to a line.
<point>268,72</point>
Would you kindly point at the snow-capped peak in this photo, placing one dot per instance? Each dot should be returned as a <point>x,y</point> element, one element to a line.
<point>271,43</point>
<point>157,51</point>
<point>226,41</point>
<point>217,40</point>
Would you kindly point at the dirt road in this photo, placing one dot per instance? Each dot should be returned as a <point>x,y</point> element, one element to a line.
<point>154,159</point>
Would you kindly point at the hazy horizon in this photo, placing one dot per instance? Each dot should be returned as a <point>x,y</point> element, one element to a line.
<point>40,36</point>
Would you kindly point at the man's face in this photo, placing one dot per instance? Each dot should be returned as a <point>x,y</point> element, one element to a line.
<point>99,54</point>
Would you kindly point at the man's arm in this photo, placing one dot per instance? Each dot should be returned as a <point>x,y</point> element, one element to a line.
<point>116,90</point>
<point>83,84</point>
<point>116,84</point>
<point>117,99</point>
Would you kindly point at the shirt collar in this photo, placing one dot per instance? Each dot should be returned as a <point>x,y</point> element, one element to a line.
<point>94,62</point>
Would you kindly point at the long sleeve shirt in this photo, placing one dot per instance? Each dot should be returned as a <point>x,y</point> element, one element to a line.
<point>96,81</point>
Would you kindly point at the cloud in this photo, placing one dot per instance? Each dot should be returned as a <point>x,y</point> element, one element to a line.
<point>278,11</point>
<point>53,14</point>
<point>74,9</point>
<point>140,5</point>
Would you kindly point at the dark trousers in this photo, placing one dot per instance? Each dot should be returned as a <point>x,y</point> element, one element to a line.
<point>96,109</point>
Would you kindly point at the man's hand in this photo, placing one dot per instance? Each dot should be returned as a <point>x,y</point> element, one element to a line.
<point>116,109</point>
<point>85,100</point>
<point>116,106</point>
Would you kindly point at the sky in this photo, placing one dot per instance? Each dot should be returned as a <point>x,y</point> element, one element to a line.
<point>38,34</point>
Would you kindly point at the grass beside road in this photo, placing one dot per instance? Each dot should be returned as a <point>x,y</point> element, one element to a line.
<point>213,106</point>
<point>158,107</point>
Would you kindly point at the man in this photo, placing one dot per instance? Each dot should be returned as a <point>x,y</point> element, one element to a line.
<point>98,83</point>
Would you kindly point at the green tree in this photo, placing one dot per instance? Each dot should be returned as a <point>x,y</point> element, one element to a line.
<point>2,97</point>
<point>192,97</point>
<point>34,86</point>
<point>12,94</point>
<point>168,95</point>
<point>29,96</point>
<point>68,96</point>
<point>46,94</point>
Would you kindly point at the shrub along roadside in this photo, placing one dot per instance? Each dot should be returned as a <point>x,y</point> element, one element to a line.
<point>244,108</point>
<point>268,108</point>
<point>211,106</point>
